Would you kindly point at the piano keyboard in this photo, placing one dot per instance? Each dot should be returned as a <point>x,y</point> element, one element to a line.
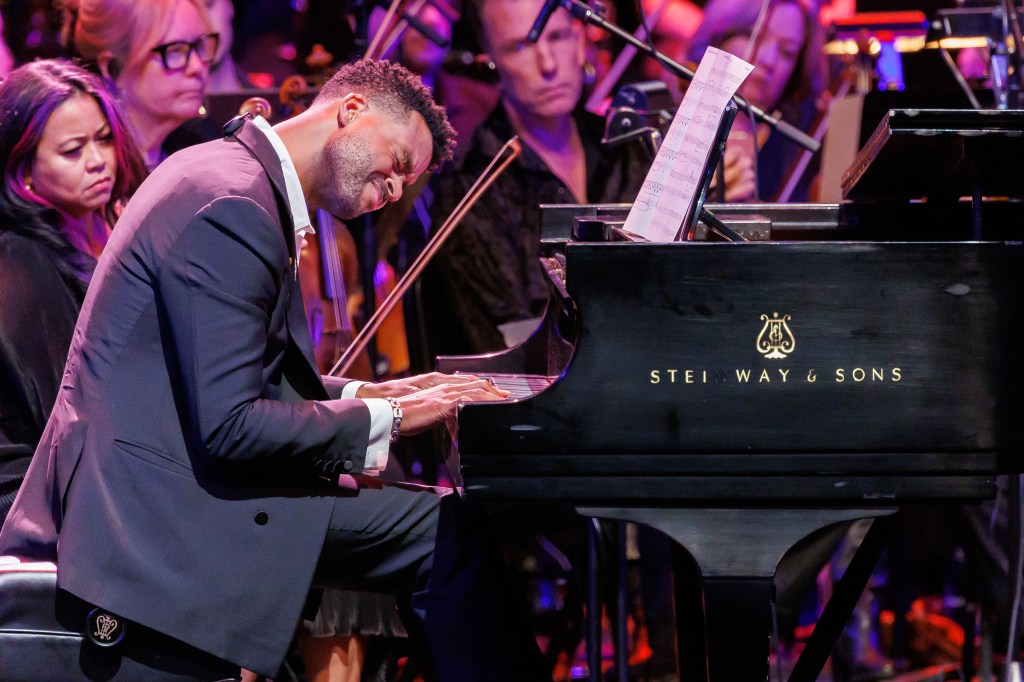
<point>519,385</point>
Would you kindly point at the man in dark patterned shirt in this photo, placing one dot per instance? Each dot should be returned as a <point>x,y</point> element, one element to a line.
<point>488,274</point>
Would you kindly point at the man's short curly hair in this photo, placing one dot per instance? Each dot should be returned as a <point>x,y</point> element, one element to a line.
<point>397,91</point>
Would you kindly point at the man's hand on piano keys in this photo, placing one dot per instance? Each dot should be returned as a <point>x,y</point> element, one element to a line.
<point>397,388</point>
<point>432,398</point>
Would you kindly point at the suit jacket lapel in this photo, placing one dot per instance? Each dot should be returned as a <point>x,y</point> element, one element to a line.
<point>298,328</point>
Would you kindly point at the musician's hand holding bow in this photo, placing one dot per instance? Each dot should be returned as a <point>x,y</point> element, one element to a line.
<point>432,398</point>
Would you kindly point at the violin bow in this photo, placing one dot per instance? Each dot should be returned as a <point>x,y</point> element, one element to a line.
<point>505,156</point>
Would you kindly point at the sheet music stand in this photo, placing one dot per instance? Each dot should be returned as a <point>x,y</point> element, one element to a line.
<point>698,212</point>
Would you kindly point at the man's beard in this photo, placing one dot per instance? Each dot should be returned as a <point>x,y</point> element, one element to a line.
<point>347,165</point>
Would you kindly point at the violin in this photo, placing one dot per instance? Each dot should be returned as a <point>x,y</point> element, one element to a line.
<point>329,279</point>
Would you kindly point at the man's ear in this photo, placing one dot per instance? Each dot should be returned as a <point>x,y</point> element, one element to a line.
<point>350,107</point>
<point>110,66</point>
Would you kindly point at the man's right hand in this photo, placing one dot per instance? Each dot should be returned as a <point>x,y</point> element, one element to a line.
<point>439,402</point>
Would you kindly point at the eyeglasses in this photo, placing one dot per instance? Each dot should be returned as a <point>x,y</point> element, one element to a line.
<point>175,55</point>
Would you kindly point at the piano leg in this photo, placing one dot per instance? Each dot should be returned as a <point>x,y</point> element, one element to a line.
<point>691,638</point>
<point>737,613</point>
<point>723,631</point>
<point>723,625</point>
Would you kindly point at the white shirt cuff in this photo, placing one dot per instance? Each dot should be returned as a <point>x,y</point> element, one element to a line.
<point>381,418</point>
<point>349,389</point>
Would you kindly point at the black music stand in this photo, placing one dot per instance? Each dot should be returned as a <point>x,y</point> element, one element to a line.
<point>699,212</point>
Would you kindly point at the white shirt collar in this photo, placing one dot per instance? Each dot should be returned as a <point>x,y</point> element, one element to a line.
<point>296,199</point>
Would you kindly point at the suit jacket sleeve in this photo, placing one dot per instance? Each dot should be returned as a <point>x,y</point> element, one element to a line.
<point>221,290</point>
<point>335,385</point>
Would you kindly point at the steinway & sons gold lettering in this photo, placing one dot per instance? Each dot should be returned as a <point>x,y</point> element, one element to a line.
<point>682,376</point>
<point>776,341</point>
<point>840,375</point>
<point>860,374</point>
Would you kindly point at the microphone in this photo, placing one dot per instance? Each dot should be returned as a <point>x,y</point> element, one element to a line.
<point>542,20</point>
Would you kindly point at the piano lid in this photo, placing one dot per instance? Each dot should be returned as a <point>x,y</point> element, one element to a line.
<point>945,153</point>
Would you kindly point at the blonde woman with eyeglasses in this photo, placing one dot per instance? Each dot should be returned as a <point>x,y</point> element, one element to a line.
<point>155,56</point>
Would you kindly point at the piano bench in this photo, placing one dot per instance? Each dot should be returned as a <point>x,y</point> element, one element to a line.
<point>37,644</point>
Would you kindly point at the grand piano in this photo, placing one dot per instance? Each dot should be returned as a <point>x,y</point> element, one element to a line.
<point>738,396</point>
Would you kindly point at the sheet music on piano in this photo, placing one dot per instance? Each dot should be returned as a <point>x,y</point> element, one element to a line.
<point>667,201</point>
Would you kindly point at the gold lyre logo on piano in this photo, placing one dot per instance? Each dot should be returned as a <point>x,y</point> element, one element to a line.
<point>775,340</point>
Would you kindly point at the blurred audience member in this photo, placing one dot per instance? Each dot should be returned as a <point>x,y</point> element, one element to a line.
<point>31,30</point>
<point>418,52</point>
<point>155,54</point>
<point>69,163</point>
<point>6,58</point>
<point>463,80</point>
<point>349,639</point>
<point>672,24</point>
<point>225,74</point>
<point>788,79</point>
<point>264,39</point>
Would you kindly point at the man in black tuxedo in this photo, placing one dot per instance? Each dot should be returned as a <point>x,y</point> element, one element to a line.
<point>188,479</point>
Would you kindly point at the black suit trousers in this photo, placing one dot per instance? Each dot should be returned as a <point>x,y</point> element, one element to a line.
<point>438,552</point>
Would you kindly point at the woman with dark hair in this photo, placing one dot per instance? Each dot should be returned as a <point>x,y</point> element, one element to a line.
<point>789,79</point>
<point>69,163</point>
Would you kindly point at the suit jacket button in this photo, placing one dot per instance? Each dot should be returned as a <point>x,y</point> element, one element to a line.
<point>261,518</point>
<point>348,465</point>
